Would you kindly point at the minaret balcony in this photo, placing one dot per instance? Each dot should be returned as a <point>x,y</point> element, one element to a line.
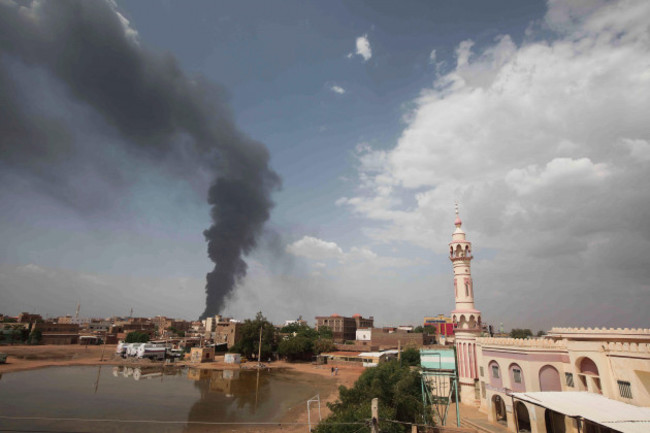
<point>460,258</point>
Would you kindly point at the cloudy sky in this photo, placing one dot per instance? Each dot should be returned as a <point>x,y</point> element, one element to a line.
<point>363,122</point>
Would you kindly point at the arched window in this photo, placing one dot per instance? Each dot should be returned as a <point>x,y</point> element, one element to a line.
<point>516,378</point>
<point>589,378</point>
<point>495,374</point>
<point>549,379</point>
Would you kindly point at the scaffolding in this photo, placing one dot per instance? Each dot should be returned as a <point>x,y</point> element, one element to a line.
<point>439,378</point>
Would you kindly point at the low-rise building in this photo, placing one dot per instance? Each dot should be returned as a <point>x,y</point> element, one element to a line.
<point>344,328</point>
<point>442,324</point>
<point>57,333</point>
<point>360,359</point>
<point>223,330</point>
<point>29,318</point>
<point>384,339</point>
<point>202,354</point>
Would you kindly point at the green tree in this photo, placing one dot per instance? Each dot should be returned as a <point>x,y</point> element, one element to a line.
<point>541,333</point>
<point>136,337</point>
<point>300,329</point>
<point>411,356</point>
<point>399,392</point>
<point>324,345</point>
<point>295,348</point>
<point>35,337</point>
<point>325,332</point>
<point>250,331</point>
<point>521,333</point>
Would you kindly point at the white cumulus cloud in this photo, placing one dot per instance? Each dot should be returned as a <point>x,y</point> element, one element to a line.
<point>314,248</point>
<point>337,89</point>
<point>545,145</point>
<point>363,48</point>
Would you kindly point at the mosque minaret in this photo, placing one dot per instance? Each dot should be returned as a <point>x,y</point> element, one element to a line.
<point>465,316</point>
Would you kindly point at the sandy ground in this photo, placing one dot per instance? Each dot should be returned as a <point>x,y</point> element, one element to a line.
<point>32,357</point>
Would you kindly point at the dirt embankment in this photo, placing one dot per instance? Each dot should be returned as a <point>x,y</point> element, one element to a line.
<point>30,357</point>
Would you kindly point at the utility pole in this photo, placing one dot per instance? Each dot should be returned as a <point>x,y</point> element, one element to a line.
<point>259,351</point>
<point>104,345</point>
<point>399,352</point>
<point>374,421</point>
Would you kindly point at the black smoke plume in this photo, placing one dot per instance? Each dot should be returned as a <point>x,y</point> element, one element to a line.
<point>143,97</point>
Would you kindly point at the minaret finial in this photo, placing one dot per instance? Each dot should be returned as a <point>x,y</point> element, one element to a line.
<point>458,222</point>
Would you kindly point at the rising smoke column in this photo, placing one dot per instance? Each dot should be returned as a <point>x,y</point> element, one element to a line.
<point>159,112</point>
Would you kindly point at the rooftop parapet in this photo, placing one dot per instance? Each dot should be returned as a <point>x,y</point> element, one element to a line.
<point>542,343</point>
<point>626,331</point>
<point>629,348</point>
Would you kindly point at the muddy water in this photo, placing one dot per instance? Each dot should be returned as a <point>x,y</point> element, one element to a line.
<point>152,400</point>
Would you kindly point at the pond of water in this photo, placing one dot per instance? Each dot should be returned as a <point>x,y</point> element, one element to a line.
<point>128,399</point>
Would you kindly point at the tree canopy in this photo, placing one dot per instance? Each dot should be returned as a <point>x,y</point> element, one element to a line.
<point>521,333</point>
<point>410,356</point>
<point>399,392</point>
<point>136,337</point>
<point>303,342</point>
<point>250,338</point>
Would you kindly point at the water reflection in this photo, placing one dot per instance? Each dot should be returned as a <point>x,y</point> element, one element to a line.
<point>138,373</point>
<point>179,398</point>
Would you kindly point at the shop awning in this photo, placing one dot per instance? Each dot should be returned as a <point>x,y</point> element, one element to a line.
<point>614,414</point>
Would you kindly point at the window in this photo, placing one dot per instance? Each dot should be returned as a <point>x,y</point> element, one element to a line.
<point>481,370</point>
<point>569,379</point>
<point>483,389</point>
<point>495,371</point>
<point>624,388</point>
<point>517,375</point>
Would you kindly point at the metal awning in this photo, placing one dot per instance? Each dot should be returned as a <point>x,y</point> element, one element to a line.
<point>623,417</point>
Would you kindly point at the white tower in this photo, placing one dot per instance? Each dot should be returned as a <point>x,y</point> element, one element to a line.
<point>466,318</point>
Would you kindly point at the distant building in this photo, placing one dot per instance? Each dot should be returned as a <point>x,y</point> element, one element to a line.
<point>384,339</point>
<point>57,333</point>
<point>443,325</point>
<point>364,334</point>
<point>296,322</point>
<point>166,327</point>
<point>202,354</point>
<point>223,330</point>
<point>29,318</point>
<point>360,359</point>
<point>344,328</point>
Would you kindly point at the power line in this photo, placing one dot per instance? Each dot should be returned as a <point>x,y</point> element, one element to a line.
<point>153,421</point>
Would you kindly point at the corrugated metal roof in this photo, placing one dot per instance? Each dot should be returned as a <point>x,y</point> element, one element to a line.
<point>348,354</point>
<point>617,415</point>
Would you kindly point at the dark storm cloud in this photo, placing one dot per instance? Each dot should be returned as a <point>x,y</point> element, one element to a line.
<point>158,112</point>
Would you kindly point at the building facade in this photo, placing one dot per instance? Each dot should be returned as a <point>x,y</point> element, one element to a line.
<point>614,363</point>
<point>344,328</point>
